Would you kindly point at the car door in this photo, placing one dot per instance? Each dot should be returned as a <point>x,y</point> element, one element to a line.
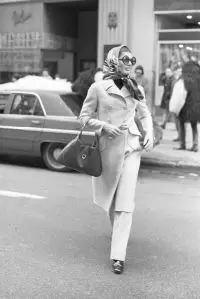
<point>23,124</point>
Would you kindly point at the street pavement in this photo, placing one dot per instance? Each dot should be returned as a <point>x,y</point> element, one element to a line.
<point>54,243</point>
<point>166,153</point>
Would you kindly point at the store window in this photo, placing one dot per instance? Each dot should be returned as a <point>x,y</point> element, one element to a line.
<point>172,55</point>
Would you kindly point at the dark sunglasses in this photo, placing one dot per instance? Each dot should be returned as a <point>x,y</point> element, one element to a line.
<point>126,60</point>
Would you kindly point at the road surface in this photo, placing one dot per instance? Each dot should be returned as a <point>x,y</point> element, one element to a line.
<point>54,243</point>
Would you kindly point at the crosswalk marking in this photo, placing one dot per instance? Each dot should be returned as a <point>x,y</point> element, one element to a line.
<point>19,194</point>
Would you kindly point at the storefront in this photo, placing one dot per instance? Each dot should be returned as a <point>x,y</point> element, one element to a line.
<point>178,36</point>
<point>68,36</point>
<point>51,34</point>
<point>20,38</point>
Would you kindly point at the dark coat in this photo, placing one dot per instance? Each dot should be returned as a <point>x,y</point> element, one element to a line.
<point>191,76</point>
<point>167,92</point>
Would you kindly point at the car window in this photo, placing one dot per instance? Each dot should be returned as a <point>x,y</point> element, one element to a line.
<point>73,102</point>
<point>55,106</point>
<point>25,104</point>
<point>38,109</point>
<point>3,99</point>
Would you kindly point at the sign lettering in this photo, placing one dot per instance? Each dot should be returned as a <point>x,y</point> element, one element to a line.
<point>20,17</point>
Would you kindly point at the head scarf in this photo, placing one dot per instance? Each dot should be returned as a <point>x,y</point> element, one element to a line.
<point>111,71</point>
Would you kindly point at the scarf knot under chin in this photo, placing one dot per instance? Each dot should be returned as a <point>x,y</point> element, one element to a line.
<point>128,82</point>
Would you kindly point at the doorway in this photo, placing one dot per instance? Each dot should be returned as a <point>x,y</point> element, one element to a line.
<point>76,24</point>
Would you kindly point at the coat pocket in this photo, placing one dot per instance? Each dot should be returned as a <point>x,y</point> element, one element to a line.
<point>134,142</point>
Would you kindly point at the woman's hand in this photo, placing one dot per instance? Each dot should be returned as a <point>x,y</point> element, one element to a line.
<point>148,142</point>
<point>111,130</point>
<point>124,126</point>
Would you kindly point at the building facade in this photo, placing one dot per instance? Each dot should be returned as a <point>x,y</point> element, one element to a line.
<point>68,36</point>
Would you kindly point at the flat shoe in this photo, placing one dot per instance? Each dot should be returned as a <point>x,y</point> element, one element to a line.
<point>180,148</point>
<point>117,266</point>
<point>176,139</point>
<point>194,149</point>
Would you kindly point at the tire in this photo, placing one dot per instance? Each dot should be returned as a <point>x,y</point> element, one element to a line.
<point>49,153</point>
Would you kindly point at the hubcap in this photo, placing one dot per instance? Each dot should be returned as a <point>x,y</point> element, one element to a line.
<point>56,153</point>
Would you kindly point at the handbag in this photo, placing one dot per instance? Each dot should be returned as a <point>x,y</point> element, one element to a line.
<point>82,157</point>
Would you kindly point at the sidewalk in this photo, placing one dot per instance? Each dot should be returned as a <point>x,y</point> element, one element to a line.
<point>165,153</point>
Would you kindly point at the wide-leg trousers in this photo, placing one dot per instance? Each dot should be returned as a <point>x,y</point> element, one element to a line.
<point>121,218</point>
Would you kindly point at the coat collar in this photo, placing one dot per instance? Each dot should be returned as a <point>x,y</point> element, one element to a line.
<point>111,88</point>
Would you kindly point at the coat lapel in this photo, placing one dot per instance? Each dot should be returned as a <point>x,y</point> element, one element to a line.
<point>111,88</point>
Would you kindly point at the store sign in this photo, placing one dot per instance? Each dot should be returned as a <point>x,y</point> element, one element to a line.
<point>15,1</point>
<point>20,17</point>
<point>26,40</point>
<point>167,5</point>
<point>56,42</point>
<point>20,60</point>
<point>35,40</point>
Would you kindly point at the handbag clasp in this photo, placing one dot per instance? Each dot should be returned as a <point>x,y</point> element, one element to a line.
<point>84,156</point>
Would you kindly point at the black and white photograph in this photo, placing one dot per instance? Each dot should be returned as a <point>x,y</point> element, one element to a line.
<point>99,149</point>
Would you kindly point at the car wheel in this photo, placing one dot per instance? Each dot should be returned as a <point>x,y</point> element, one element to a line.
<point>50,154</point>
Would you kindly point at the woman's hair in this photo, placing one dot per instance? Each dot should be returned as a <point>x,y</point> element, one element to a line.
<point>124,49</point>
<point>140,67</point>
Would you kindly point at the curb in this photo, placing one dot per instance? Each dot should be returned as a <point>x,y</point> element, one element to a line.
<point>169,164</point>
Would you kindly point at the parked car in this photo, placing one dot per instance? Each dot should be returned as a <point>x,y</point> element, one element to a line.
<point>39,124</point>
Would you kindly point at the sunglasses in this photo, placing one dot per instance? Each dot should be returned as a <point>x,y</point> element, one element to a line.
<point>126,60</point>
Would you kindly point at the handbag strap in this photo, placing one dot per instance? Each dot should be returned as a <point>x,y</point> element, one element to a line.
<point>95,142</point>
<point>81,130</point>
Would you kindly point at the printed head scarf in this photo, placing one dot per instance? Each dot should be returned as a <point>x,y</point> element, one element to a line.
<point>111,71</point>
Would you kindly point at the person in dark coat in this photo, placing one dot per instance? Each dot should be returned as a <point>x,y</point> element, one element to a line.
<point>185,102</point>
<point>191,110</point>
<point>167,82</point>
<point>84,81</point>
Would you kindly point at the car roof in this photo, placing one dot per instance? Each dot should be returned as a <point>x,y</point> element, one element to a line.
<point>38,91</point>
<point>51,100</point>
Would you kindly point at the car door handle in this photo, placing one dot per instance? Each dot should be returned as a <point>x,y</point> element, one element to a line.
<point>36,122</point>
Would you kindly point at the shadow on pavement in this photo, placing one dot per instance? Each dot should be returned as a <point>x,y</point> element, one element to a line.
<point>22,161</point>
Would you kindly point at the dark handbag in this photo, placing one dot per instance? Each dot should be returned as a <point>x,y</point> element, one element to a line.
<point>82,157</point>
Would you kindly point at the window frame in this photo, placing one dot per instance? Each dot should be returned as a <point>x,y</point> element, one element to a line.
<point>15,94</point>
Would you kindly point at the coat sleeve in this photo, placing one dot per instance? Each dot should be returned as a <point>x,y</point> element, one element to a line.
<point>89,111</point>
<point>145,117</point>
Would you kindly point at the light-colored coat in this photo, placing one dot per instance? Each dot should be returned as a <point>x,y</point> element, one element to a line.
<point>105,102</point>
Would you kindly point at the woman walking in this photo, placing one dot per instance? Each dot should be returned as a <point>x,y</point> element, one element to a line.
<point>109,108</point>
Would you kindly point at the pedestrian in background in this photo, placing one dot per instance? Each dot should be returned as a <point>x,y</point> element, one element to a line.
<point>177,76</point>
<point>45,74</point>
<point>143,81</point>
<point>114,101</point>
<point>85,80</point>
<point>167,81</point>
